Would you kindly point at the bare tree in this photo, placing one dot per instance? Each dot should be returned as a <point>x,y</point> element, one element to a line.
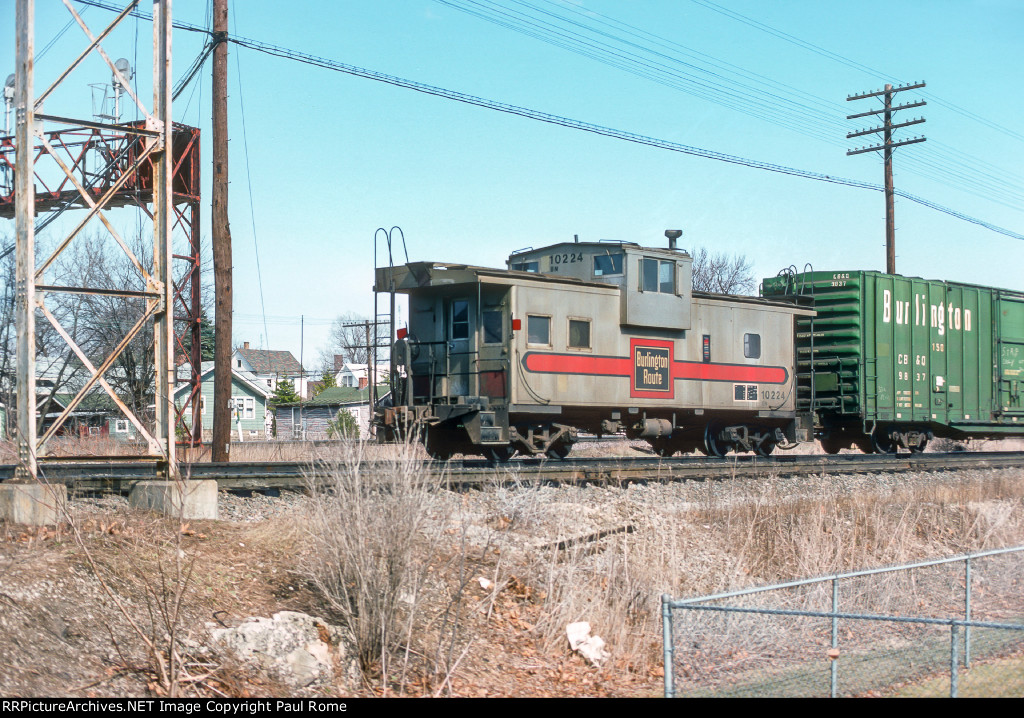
<point>722,273</point>
<point>57,369</point>
<point>353,337</point>
<point>95,263</point>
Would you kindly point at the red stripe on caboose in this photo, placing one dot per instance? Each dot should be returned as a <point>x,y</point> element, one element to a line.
<point>728,372</point>
<point>577,364</point>
<point>548,363</point>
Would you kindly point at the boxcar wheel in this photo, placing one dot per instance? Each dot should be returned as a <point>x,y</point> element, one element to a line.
<point>883,444</point>
<point>765,448</point>
<point>831,446</point>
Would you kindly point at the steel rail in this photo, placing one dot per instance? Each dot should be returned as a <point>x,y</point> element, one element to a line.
<point>111,473</point>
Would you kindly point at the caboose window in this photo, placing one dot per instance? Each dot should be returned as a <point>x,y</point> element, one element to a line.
<point>607,264</point>
<point>752,346</point>
<point>460,319</point>
<point>579,334</point>
<point>657,276</point>
<point>667,277</point>
<point>538,330</point>
<point>492,327</point>
<point>526,266</point>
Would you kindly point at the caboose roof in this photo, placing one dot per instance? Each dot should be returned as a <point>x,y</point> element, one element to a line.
<point>607,246</point>
<point>416,275</point>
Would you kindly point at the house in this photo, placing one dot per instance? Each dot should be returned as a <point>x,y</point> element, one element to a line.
<point>249,398</point>
<point>58,380</point>
<point>358,375</point>
<point>95,415</point>
<point>307,420</point>
<point>270,366</point>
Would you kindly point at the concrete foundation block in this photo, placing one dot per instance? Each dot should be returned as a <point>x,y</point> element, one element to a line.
<point>32,504</point>
<point>187,499</point>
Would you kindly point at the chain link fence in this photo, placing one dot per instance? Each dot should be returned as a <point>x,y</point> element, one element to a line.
<point>950,627</point>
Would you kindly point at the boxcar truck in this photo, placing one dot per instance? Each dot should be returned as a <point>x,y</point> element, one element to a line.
<point>891,361</point>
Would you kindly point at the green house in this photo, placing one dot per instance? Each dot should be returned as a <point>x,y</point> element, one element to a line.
<point>250,419</point>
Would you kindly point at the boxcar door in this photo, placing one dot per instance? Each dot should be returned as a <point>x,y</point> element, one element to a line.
<point>1010,348</point>
<point>460,346</point>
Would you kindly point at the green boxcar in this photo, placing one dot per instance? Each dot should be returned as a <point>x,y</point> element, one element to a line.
<point>892,361</point>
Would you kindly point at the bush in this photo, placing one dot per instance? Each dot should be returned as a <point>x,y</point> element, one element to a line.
<point>367,519</point>
<point>344,426</point>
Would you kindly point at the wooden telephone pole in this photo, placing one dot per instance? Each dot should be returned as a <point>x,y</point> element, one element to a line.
<point>221,239</point>
<point>887,147</point>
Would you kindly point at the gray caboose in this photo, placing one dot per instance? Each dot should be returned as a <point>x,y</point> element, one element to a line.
<point>593,336</point>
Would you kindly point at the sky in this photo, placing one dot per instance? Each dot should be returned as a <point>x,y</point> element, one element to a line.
<point>319,159</point>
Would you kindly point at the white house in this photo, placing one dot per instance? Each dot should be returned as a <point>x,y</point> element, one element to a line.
<point>357,376</point>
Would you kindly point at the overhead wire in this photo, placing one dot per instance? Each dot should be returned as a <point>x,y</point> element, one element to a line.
<point>850,63</point>
<point>507,108</point>
<point>810,115</point>
<point>710,85</point>
<point>248,181</point>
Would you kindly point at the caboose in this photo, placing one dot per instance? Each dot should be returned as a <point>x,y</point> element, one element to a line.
<point>587,336</point>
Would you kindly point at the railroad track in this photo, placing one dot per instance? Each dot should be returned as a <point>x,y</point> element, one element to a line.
<point>118,474</point>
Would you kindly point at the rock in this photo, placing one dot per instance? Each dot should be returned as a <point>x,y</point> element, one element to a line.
<point>295,648</point>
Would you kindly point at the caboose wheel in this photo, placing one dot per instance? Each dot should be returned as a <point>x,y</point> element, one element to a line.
<point>559,450</point>
<point>438,446</point>
<point>663,448</point>
<point>765,448</point>
<point>714,446</point>
<point>499,454</point>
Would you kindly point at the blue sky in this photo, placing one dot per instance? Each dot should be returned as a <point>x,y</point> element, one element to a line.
<point>333,157</point>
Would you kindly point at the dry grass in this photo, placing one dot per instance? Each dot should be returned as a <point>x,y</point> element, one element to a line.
<point>303,451</point>
<point>408,562</point>
<point>741,533</point>
<point>370,547</point>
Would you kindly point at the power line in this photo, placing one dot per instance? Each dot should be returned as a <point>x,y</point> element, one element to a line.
<point>799,112</point>
<point>597,129</point>
<point>537,115</point>
<point>248,181</point>
<point>848,62</point>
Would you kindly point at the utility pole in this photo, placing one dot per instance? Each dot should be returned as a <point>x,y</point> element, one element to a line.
<point>24,197</point>
<point>887,147</point>
<point>221,239</point>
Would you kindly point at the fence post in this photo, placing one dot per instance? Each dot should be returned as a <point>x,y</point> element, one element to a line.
<point>967,613</point>
<point>833,667</point>
<point>954,659</point>
<point>666,630</point>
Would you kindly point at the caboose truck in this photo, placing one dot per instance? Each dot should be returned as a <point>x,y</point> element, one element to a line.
<point>594,336</point>
<point>890,361</point>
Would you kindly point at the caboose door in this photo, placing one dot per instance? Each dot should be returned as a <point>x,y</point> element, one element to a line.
<point>460,333</point>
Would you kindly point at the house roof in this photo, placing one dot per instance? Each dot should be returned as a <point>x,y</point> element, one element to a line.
<point>91,402</point>
<point>267,361</point>
<point>335,396</point>
<point>184,373</point>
